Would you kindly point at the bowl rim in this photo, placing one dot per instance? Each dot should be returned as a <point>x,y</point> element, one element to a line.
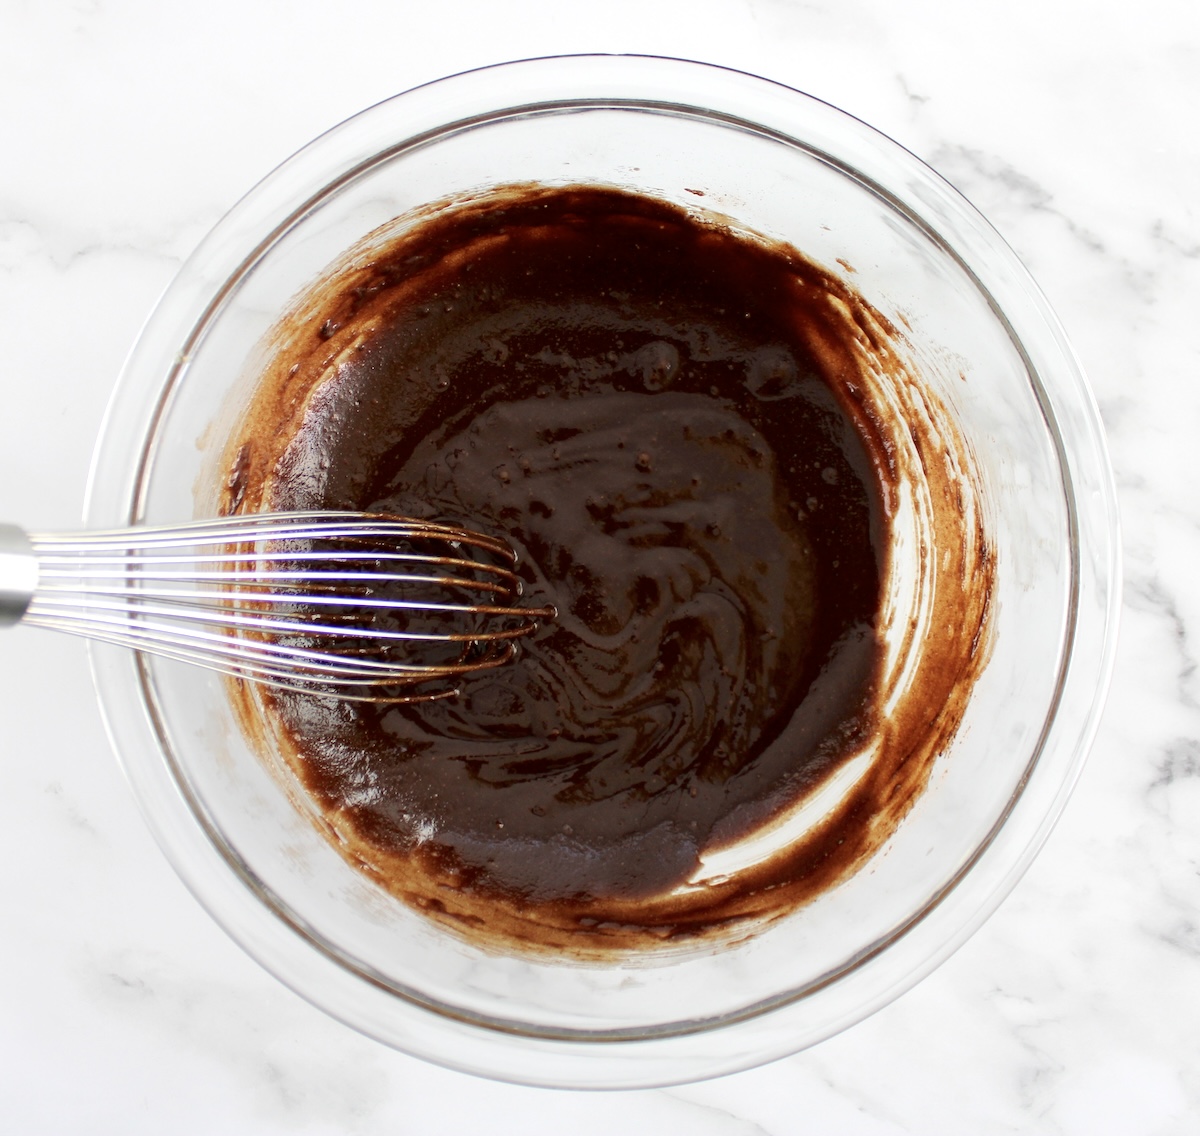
<point>157,365</point>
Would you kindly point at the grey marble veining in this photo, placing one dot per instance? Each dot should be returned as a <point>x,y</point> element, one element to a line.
<point>130,127</point>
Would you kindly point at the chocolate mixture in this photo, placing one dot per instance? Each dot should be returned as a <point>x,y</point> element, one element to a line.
<point>667,421</point>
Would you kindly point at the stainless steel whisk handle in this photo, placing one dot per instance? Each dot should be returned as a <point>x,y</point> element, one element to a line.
<point>18,573</point>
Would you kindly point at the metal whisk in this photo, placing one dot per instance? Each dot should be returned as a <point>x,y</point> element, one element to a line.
<point>348,604</point>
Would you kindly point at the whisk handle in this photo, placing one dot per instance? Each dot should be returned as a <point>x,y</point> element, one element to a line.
<point>18,573</point>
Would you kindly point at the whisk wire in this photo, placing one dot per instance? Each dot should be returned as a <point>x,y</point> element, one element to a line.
<point>358,606</point>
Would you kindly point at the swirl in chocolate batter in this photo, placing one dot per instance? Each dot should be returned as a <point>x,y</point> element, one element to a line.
<point>701,446</point>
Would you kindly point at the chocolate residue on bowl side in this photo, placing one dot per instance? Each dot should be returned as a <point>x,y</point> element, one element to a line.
<point>701,445</point>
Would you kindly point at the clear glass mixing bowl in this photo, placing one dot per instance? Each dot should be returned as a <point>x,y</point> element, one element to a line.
<point>790,167</point>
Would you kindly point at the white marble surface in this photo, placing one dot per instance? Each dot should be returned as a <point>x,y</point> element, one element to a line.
<point>129,127</point>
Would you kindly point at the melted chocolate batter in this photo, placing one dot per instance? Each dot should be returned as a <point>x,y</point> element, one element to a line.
<point>662,417</point>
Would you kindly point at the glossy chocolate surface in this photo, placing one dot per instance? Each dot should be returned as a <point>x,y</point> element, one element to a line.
<point>666,420</point>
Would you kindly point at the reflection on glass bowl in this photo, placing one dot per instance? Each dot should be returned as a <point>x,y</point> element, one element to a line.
<point>987,348</point>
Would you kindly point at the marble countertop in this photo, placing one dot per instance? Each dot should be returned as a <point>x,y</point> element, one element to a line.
<point>130,126</point>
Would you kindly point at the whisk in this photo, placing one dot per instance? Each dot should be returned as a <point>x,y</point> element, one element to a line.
<point>352,605</point>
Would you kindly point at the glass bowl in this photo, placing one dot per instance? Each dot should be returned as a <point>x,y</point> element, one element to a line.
<point>790,167</point>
